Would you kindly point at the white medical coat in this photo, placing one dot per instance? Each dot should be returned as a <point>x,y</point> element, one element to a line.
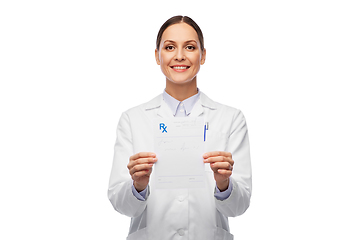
<point>192,214</point>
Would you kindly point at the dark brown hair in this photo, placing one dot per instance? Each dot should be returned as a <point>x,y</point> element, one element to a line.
<point>180,19</point>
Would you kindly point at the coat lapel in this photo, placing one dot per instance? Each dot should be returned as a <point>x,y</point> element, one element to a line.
<point>157,107</point>
<point>201,104</point>
<point>197,110</point>
<point>164,110</point>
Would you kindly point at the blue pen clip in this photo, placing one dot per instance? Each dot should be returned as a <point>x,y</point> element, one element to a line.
<point>206,127</point>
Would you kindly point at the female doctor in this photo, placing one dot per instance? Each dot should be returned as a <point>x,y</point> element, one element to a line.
<point>195,213</point>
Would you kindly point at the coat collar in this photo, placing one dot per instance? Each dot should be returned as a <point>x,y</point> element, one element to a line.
<point>163,110</point>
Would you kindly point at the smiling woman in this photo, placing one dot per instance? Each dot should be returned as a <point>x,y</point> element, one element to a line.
<point>180,52</point>
<point>194,213</point>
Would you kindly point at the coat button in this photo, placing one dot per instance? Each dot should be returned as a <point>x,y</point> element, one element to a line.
<point>181,232</point>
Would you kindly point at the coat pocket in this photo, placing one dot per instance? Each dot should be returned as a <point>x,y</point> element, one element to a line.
<point>138,235</point>
<point>216,141</point>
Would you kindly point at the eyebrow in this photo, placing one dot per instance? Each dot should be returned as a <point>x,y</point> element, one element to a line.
<point>171,41</point>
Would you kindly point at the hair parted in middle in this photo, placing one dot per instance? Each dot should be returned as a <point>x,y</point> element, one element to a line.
<point>180,19</point>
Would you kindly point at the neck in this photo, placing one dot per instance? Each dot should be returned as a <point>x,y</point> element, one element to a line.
<point>181,91</point>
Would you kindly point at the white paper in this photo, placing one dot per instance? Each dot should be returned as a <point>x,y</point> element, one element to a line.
<point>179,146</point>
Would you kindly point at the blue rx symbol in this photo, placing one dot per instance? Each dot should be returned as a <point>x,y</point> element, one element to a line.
<point>163,127</point>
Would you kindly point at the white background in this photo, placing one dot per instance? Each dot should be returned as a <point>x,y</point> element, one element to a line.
<point>68,69</point>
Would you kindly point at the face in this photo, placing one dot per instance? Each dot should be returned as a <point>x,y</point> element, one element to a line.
<point>179,54</point>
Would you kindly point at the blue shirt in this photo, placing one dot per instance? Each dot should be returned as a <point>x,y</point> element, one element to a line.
<point>183,109</point>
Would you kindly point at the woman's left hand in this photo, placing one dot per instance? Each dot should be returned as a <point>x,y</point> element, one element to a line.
<point>222,165</point>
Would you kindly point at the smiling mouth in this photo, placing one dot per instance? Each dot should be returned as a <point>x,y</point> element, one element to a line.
<point>176,67</point>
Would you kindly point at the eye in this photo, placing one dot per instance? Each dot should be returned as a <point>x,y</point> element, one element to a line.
<point>190,47</point>
<point>170,48</point>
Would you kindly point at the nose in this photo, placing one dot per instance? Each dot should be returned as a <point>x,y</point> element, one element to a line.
<point>180,56</point>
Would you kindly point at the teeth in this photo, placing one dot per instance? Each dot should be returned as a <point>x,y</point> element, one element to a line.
<point>180,68</point>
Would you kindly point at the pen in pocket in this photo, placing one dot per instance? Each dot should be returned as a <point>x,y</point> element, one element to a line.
<point>206,127</point>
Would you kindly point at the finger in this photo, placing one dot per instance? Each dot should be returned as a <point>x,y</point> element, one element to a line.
<point>221,165</point>
<point>219,159</point>
<point>224,173</point>
<point>142,161</point>
<point>132,163</point>
<point>140,167</point>
<point>140,174</point>
<point>217,153</point>
<point>142,155</point>
<point>216,159</point>
<point>145,160</point>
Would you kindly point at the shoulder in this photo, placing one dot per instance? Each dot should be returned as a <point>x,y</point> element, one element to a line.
<point>152,104</point>
<point>221,108</point>
<point>228,118</point>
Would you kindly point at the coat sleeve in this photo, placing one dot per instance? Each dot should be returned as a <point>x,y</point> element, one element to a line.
<point>238,145</point>
<point>120,192</point>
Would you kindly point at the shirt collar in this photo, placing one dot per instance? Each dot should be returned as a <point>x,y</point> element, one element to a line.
<point>156,102</point>
<point>174,103</point>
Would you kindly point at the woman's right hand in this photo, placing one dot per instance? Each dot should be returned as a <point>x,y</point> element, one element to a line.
<point>140,168</point>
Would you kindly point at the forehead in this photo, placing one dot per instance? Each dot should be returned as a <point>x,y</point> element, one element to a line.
<point>180,32</point>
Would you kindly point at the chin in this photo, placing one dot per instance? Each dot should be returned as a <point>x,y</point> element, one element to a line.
<point>180,81</point>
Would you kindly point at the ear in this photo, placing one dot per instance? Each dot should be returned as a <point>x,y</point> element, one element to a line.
<point>157,57</point>
<point>203,57</point>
